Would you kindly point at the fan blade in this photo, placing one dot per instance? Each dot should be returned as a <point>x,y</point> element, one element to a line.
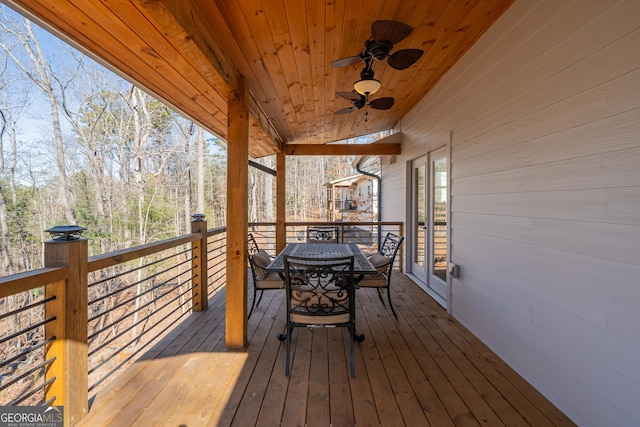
<point>345,62</point>
<point>345,110</point>
<point>351,96</point>
<point>404,58</point>
<point>389,31</point>
<point>382,103</point>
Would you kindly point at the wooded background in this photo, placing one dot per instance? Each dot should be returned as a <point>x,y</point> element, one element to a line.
<point>80,145</point>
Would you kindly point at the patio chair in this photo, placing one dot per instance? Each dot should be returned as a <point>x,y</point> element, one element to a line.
<point>323,234</point>
<point>383,263</point>
<point>253,245</point>
<point>259,259</point>
<point>320,293</point>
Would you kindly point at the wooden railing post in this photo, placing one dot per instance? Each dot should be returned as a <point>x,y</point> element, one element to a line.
<point>70,368</point>
<point>199,300</point>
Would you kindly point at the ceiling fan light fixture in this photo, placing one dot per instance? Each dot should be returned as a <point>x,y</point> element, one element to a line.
<point>367,86</point>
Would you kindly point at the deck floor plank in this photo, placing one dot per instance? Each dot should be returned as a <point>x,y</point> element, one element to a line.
<point>295,407</point>
<point>458,411</point>
<point>249,393</point>
<point>339,398</point>
<point>318,412</point>
<point>410,408</point>
<point>424,392</point>
<point>480,395</point>
<point>423,369</point>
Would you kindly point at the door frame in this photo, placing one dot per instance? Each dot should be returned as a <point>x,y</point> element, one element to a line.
<point>410,202</point>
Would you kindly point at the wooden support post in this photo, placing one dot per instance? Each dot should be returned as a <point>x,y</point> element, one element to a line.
<point>69,348</point>
<point>237,215</point>
<point>199,290</point>
<point>281,206</point>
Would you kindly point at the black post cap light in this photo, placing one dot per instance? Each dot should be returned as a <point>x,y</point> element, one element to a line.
<point>66,232</point>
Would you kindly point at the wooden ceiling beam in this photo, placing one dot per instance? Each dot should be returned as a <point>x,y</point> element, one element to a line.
<point>342,149</point>
<point>185,26</point>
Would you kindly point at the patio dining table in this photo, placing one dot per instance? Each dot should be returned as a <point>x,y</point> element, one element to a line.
<point>361,264</point>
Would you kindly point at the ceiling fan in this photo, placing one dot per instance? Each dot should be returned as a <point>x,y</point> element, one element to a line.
<point>360,101</point>
<point>384,34</point>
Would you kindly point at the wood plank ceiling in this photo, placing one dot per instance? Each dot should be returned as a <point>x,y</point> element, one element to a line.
<point>190,53</point>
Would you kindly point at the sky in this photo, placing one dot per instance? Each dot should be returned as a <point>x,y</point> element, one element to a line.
<point>34,125</point>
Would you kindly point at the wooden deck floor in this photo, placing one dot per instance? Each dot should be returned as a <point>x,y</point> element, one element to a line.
<point>424,369</point>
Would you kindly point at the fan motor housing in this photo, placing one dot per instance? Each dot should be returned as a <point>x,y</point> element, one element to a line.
<point>379,50</point>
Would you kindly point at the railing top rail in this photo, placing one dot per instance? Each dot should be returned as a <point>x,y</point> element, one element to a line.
<point>25,281</point>
<point>110,259</point>
<point>216,230</point>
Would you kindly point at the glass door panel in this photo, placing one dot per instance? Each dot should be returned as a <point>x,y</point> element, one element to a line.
<point>438,258</point>
<point>419,228</point>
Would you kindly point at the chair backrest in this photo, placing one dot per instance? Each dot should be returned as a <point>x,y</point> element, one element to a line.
<point>323,234</point>
<point>259,262</point>
<point>319,291</point>
<point>252,245</point>
<point>390,246</point>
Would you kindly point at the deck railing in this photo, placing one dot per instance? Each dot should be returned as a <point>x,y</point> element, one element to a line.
<point>68,328</point>
<point>368,235</point>
<point>71,326</point>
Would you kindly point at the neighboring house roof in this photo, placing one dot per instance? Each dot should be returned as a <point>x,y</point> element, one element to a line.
<point>346,182</point>
<point>366,161</point>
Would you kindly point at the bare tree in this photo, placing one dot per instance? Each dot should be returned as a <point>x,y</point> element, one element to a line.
<point>4,213</point>
<point>200,177</point>
<point>38,70</point>
<point>12,104</point>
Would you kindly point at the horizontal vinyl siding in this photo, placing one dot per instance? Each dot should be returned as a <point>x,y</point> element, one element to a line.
<point>545,197</point>
<point>393,193</point>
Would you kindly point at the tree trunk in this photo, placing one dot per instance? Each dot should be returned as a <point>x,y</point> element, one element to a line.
<point>200,178</point>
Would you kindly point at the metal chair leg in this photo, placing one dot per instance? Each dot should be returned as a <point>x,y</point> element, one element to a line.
<point>253,303</point>
<point>391,305</point>
<point>352,331</point>
<point>286,369</point>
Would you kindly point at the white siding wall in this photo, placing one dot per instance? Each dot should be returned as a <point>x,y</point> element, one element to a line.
<point>545,114</point>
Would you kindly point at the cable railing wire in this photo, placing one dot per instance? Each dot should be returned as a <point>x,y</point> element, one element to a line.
<point>215,289</point>
<point>148,316</point>
<point>27,329</point>
<point>25,396</point>
<point>153,301</point>
<point>136,268</point>
<point>27,307</point>
<point>119,365</point>
<point>26,373</point>
<point>25,352</point>
<point>129,300</point>
<point>124,288</point>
